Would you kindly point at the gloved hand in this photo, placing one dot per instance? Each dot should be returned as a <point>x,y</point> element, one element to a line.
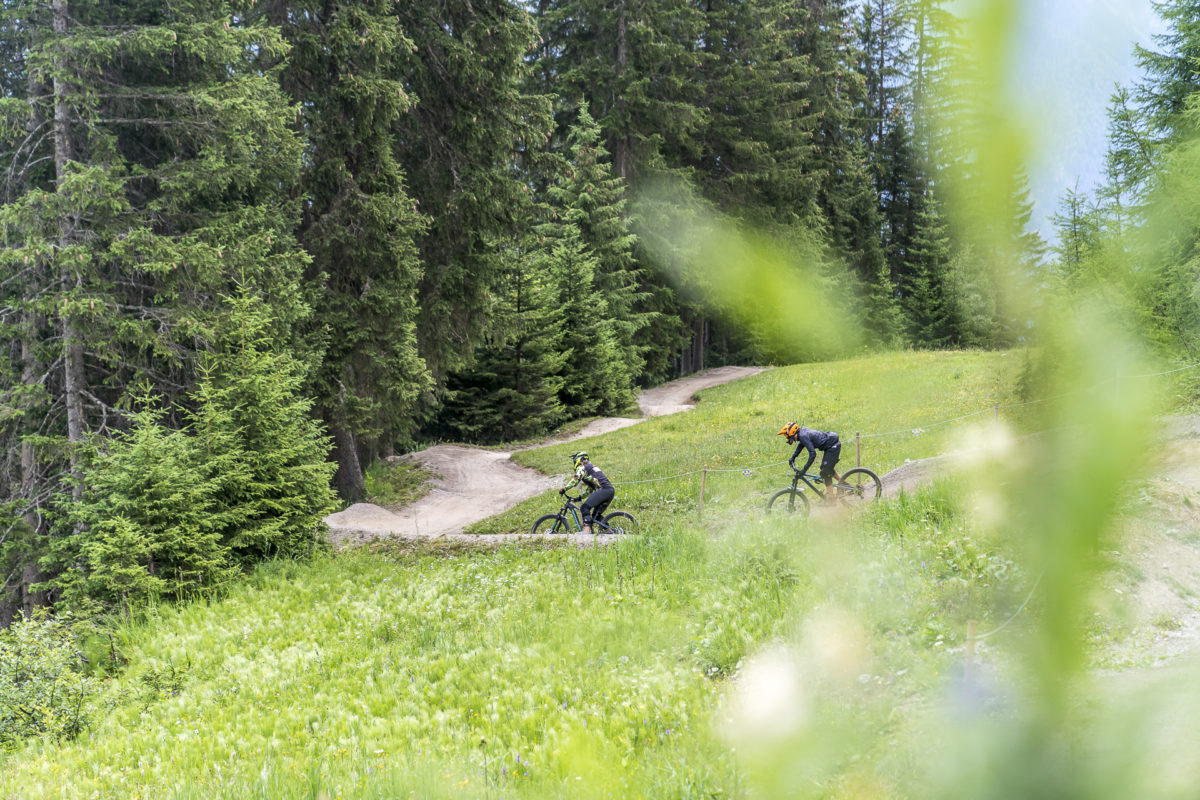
<point>562,491</point>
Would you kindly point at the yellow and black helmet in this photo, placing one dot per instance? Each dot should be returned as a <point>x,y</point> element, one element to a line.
<point>790,430</point>
<point>579,458</point>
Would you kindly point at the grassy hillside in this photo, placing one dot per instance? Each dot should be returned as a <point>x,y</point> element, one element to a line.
<point>904,406</point>
<point>615,672</point>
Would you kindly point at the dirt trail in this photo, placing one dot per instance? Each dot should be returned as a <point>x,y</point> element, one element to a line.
<point>473,484</point>
<point>1152,590</point>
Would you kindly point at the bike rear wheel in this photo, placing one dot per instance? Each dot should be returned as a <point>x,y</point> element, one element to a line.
<point>551,523</point>
<point>859,486</point>
<point>622,522</point>
<point>788,501</point>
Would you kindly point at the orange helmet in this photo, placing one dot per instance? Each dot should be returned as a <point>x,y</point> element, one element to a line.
<point>789,430</point>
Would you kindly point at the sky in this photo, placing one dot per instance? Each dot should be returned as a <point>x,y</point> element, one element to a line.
<point>1071,55</point>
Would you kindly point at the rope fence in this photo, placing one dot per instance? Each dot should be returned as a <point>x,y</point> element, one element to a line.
<point>858,437</point>
<point>972,637</point>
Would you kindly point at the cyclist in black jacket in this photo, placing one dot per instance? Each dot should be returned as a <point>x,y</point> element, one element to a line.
<point>813,440</point>
<point>601,494</point>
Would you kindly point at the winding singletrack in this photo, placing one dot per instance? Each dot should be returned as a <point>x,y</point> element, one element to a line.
<point>473,484</point>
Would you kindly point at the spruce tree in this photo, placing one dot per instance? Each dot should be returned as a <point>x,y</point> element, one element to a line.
<point>846,191</point>
<point>346,69</point>
<point>170,512</point>
<point>511,390</point>
<point>259,441</point>
<point>459,147</point>
<point>757,146</point>
<point>634,64</point>
<point>152,162</point>
<point>149,522</point>
<point>591,199</point>
<point>595,379</point>
<point>926,302</point>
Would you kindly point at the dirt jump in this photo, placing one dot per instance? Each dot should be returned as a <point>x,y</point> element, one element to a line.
<point>472,484</point>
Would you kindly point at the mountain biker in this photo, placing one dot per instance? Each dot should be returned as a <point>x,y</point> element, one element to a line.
<point>812,440</point>
<point>601,489</point>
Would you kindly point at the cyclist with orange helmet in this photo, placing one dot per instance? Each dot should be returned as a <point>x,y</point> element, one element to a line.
<point>812,441</point>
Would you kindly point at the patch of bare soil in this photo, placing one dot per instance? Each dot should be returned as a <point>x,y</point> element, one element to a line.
<point>473,484</point>
<point>1151,596</point>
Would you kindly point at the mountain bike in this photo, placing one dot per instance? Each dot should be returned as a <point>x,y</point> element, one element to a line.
<point>858,485</point>
<point>569,520</point>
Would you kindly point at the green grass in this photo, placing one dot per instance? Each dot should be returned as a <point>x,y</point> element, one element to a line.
<point>898,403</point>
<point>509,672</point>
<point>638,669</point>
<point>397,483</point>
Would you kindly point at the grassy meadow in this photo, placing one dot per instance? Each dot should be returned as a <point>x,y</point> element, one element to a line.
<point>732,655</point>
<point>904,406</point>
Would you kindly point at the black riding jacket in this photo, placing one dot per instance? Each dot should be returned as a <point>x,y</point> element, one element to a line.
<point>811,440</point>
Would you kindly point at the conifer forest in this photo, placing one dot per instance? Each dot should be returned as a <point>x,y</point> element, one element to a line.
<point>252,247</point>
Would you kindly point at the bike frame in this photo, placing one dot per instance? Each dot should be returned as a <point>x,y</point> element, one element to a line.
<point>800,477</point>
<point>569,504</point>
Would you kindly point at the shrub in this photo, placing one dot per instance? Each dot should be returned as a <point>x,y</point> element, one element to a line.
<point>42,690</point>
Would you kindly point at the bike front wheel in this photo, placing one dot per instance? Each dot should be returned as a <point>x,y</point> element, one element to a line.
<point>859,486</point>
<point>550,523</point>
<point>788,501</point>
<point>622,522</point>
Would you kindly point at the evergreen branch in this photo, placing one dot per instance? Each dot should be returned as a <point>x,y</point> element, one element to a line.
<point>12,278</point>
<point>106,409</point>
<point>8,580</point>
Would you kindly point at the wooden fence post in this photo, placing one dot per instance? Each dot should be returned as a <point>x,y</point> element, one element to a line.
<point>857,449</point>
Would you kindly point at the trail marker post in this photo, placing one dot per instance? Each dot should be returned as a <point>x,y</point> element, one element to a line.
<point>703,479</point>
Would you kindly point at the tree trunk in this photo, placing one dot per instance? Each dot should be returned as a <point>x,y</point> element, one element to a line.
<point>349,478</point>
<point>699,331</point>
<point>30,480</point>
<point>31,600</point>
<point>621,143</point>
<point>73,380</point>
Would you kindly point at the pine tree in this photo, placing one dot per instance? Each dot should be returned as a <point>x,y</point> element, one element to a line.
<point>458,148</point>
<point>151,163</point>
<point>511,390</point>
<point>346,70</point>
<point>594,202</point>
<point>926,302</point>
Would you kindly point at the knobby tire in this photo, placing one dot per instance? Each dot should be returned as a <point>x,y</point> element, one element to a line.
<point>867,486</point>
<point>796,504</point>
<point>551,523</point>
<point>622,522</point>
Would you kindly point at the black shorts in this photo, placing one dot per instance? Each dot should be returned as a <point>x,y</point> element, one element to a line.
<point>828,461</point>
